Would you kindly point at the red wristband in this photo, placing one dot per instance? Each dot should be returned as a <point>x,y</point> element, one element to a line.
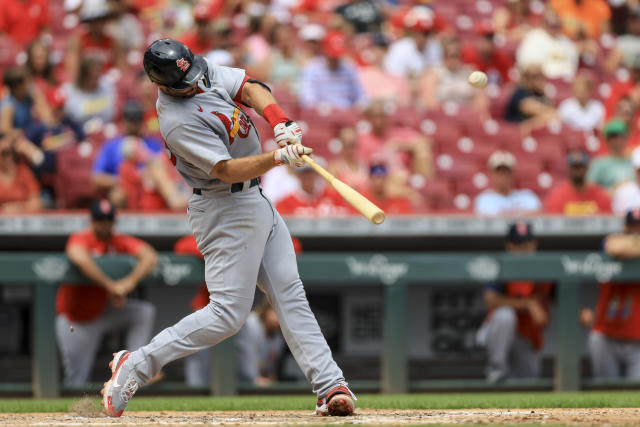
<point>274,115</point>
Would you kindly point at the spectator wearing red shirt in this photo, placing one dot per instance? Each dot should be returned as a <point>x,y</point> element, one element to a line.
<point>312,199</point>
<point>101,305</point>
<point>576,197</point>
<point>201,39</point>
<point>19,190</point>
<point>615,338</point>
<point>622,89</point>
<point>378,192</point>
<point>485,56</point>
<point>24,20</point>
<point>517,316</point>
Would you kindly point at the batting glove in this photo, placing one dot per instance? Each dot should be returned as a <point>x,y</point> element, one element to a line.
<point>291,155</point>
<point>288,133</point>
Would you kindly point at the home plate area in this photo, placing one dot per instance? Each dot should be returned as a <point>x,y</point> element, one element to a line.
<point>553,416</point>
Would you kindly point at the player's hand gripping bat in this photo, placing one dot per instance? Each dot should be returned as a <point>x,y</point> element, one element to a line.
<point>355,199</point>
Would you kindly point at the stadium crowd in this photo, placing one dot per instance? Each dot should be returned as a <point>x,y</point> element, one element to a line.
<point>380,88</point>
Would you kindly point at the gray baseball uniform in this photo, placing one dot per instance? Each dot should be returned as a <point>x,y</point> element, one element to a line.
<point>242,237</point>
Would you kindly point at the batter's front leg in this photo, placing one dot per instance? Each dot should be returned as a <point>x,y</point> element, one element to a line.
<point>278,278</point>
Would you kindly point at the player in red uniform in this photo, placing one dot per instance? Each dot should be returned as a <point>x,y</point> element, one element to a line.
<point>615,338</point>
<point>518,314</point>
<point>101,305</point>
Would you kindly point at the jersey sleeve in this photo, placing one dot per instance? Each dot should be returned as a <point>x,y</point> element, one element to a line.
<point>128,244</point>
<point>231,79</point>
<point>197,145</point>
<point>77,239</point>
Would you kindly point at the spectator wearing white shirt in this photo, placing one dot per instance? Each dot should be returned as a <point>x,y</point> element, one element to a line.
<point>420,48</point>
<point>503,198</point>
<point>626,196</point>
<point>582,111</point>
<point>550,49</point>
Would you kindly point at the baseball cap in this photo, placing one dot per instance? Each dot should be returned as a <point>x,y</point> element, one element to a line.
<point>632,217</point>
<point>501,158</point>
<point>312,32</point>
<point>102,209</point>
<point>378,169</point>
<point>334,45</point>
<point>419,18</point>
<point>132,111</point>
<point>615,127</point>
<point>520,232</point>
<point>577,158</point>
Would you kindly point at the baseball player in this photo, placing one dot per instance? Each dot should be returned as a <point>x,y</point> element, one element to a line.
<point>215,147</point>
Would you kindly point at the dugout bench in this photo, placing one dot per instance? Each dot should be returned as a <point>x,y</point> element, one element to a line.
<point>394,272</point>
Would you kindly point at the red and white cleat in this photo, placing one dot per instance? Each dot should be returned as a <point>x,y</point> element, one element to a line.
<point>338,402</point>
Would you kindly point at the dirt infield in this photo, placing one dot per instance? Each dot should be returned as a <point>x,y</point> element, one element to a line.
<point>577,417</point>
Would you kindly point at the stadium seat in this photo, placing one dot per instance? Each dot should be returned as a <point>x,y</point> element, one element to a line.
<point>73,181</point>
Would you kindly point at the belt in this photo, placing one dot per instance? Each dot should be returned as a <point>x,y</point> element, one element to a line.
<point>236,187</point>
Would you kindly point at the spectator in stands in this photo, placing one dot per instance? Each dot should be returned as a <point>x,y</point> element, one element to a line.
<point>518,313</point>
<point>449,82</point>
<point>614,341</point>
<point>133,144</point>
<point>582,111</point>
<point>19,190</point>
<point>484,55</point>
<point>515,19</point>
<point>312,35</point>
<point>615,167</point>
<point>259,344</point>
<point>627,47</point>
<point>419,48</point>
<point>331,80</point>
<point>548,48</point>
<point>313,198</point>
<point>349,166</point>
<point>48,137</point>
<point>629,88</point>
<point>361,16</point>
<point>503,199</point>
<point>23,103</point>
<point>102,305</point>
<point>23,20</point>
<point>528,104</point>
<point>583,18</point>
<point>626,196</point>
<point>283,65</point>
<point>376,81</point>
<point>92,96</point>
<point>575,196</point>
<point>92,40</point>
<point>379,192</point>
<point>256,44</point>
<point>39,66</point>
<point>201,39</point>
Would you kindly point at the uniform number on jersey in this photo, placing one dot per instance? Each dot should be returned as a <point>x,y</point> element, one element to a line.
<point>172,156</point>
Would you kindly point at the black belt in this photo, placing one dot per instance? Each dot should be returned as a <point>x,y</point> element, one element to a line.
<point>235,187</point>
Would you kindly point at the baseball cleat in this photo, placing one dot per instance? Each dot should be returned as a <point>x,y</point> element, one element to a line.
<point>117,392</point>
<point>338,402</point>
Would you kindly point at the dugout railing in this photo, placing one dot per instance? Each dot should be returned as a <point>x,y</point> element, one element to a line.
<point>394,272</point>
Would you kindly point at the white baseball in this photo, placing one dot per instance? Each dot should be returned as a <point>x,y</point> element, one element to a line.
<point>478,79</point>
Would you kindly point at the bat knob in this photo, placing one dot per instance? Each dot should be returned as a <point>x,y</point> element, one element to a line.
<point>378,218</point>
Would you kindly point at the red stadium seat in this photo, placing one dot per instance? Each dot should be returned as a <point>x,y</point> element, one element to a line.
<point>73,180</point>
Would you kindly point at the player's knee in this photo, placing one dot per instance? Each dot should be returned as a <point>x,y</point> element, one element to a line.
<point>234,311</point>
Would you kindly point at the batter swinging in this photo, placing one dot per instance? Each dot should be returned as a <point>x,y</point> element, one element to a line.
<point>216,148</point>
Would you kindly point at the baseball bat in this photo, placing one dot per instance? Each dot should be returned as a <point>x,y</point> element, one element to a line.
<point>355,199</point>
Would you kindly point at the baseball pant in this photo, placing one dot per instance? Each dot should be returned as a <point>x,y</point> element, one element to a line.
<point>509,354</point>
<point>78,348</point>
<point>608,355</point>
<point>244,240</point>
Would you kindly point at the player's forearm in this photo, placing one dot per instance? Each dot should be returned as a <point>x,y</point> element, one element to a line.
<point>257,97</point>
<point>88,267</point>
<point>243,168</point>
<point>623,246</point>
<point>147,260</point>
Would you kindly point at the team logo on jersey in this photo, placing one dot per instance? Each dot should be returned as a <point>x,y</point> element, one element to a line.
<point>183,64</point>
<point>238,125</point>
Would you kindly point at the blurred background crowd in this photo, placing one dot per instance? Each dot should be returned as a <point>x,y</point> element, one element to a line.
<point>379,86</point>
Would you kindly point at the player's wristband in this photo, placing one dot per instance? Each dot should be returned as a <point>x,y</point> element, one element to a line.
<point>274,115</point>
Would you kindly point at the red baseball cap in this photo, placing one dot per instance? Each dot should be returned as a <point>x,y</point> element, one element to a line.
<point>334,45</point>
<point>484,28</point>
<point>419,18</point>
